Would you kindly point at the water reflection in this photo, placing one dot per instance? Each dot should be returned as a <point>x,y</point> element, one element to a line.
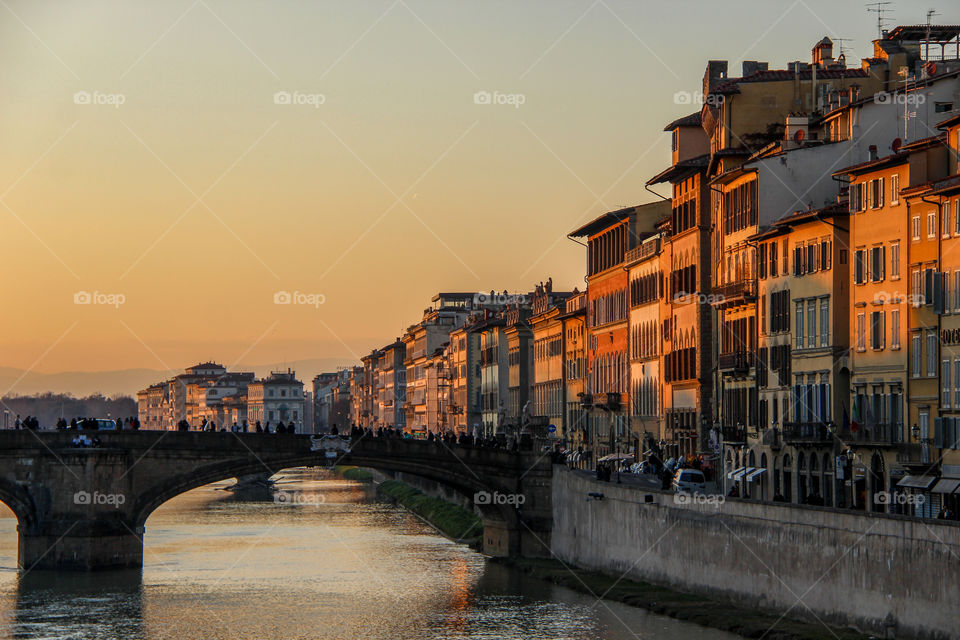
<point>105,604</point>
<point>336,564</point>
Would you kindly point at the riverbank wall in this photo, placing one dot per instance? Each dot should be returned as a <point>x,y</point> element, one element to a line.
<point>890,576</point>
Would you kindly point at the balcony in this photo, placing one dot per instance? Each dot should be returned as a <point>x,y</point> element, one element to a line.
<point>889,435</point>
<point>771,438</point>
<point>806,432</point>
<point>736,361</point>
<point>586,400</point>
<point>734,293</point>
<point>734,435</point>
<point>609,401</point>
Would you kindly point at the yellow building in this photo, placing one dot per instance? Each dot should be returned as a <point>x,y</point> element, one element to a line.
<point>802,369</point>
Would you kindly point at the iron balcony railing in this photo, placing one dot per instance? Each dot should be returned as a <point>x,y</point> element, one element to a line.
<point>806,432</point>
<point>734,291</point>
<point>734,434</point>
<point>735,360</point>
<point>876,434</point>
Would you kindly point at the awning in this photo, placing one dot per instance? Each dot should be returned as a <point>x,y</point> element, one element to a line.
<point>742,472</point>
<point>946,485</point>
<point>616,456</point>
<point>730,474</point>
<point>756,473</point>
<point>916,482</point>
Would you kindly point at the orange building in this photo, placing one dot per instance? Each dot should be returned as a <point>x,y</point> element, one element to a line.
<point>606,399</point>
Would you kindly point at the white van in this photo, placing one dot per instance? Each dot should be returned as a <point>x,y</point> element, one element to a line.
<point>689,481</point>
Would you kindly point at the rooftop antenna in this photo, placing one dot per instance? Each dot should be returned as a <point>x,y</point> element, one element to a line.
<point>843,49</point>
<point>926,42</point>
<point>879,8</point>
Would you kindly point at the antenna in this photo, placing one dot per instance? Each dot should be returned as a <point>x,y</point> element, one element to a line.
<point>926,42</point>
<point>879,8</point>
<point>843,49</point>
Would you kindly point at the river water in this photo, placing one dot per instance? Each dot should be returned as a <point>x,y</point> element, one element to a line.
<point>327,562</point>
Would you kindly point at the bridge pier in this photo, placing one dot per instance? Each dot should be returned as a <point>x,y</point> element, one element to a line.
<point>84,547</point>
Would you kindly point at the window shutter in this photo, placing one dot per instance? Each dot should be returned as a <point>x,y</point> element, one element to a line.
<point>881,192</point>
<point>883,329</point>
<point>853,198</point>
<point>883,262</point>
<point>938,433</point>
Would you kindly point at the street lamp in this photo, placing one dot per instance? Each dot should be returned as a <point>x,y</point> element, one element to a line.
<point>618,459</point>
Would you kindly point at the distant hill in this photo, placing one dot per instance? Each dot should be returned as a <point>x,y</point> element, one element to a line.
<point>129,381</point>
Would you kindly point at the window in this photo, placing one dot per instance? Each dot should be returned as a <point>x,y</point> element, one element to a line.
<point>942,107</point>
<point>945,384</point>
<point>812,323</point>
<point>825,322</point>
<point>876,263</point>
<point>915,227</point>
<point>854,197</point>
<point>915,287</point>
<point>931,225</point>
<point>956,216</point>
<point>861,338</point>
<point>945,221</point>
<point>799,316</point>
<point>915,355</point>
<point>895,261</point>
<point>859,266</point>
<point>956,382</point>
<point>876,193</point>
<point>895,189</point>
<point>931,354</point>
<point>876,330</point>
<point>895,328</point>
<point>956,290</point>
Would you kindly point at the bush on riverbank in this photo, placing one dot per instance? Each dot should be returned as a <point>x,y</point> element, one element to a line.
<point>453,520</point>
<point>354,473</point>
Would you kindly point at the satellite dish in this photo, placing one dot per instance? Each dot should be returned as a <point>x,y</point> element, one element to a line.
<point>895,145</point>
<point>799,136</point>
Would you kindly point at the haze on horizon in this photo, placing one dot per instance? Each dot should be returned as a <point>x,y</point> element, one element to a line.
<point>202,196</point>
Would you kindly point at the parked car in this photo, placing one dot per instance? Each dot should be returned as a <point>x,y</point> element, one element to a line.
<point>689,481</point>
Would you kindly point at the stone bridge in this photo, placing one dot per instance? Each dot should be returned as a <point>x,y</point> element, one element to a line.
<point>85,508</point>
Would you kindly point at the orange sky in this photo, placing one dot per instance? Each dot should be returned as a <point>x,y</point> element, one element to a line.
<point>185,187</point>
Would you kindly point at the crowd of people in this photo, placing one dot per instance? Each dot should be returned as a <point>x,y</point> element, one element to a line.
<point>508,443</point>
<point>211,427</point>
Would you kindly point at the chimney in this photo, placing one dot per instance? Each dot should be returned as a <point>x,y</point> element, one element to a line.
<point>823,53</point>
<point>715,73</point>
<point>751,67</point>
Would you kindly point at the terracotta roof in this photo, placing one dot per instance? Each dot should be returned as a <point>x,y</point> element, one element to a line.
<point>832,209</point>
<point>870,165</point>
<point>949,122</point>
<point>682,168</point>
<point>692,120</point>
<point>938,32</point>
<point>780,75</point>
<point>932,187</point>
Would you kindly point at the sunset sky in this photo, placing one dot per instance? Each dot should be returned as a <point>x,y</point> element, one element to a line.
<point>200,197</point>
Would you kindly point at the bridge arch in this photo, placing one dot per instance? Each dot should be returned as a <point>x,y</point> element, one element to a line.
<point>67,499</point>
<point>466,482</point>
<point>19,501</point>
